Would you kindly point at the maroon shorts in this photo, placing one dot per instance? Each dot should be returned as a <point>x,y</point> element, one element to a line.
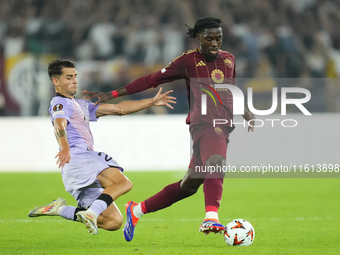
<point>206,142</point>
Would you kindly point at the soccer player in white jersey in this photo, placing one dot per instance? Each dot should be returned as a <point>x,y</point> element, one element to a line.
<point>93,178</point>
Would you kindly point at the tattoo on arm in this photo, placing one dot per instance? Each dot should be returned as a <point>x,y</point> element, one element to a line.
<point>60,133</point>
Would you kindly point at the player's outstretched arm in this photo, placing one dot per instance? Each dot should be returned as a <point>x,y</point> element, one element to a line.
<point>104,96</point>
<point>64,155</point>
<point>249,116</point>
<point>163,99</point>
<point>127,107</point>
<point>141,84</point>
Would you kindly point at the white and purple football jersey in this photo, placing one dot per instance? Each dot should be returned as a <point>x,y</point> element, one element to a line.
<point>80,174</point>
<point>78,113</point>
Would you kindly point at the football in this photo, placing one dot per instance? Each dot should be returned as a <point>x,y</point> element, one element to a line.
<point>239,232</point>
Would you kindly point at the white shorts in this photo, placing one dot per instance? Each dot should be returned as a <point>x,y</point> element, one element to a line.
<point>80,175</point>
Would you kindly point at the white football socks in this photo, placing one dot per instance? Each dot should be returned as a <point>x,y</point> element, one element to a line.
<point>97,207</point>
<point>211,215</point>
<point>60,209</point>
<point>137,211</point>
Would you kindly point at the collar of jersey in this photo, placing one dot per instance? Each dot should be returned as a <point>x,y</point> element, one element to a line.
<point>60,95</point>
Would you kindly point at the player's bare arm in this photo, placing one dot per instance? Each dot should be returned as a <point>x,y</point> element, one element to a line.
<point>249,116</point>
<point>104,96</point>
<point>64,155</point>
<point>127,107</point>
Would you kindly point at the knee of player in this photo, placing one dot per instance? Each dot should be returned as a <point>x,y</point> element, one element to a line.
<point>214,160</point>
<point>188,191</point>
<point>115,224</point>
<point>127,185</point>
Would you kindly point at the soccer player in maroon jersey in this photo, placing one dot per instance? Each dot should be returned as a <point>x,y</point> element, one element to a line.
<point>200,68</point>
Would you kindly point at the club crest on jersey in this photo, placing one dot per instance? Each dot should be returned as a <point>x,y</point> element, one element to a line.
<point>58,107</point>
<point>217,76</point>
<point>218,130</point>
<point>227,62</point>
<point>85,118</point>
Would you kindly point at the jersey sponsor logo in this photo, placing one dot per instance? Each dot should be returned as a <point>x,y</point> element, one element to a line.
<point>217,76</point>
<point>58,107</point>
<point>227,62</point>
<point>57,113</point>
<point>201,63</point>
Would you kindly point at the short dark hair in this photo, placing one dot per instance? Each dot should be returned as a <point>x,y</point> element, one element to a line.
<point>56,65</point>
<point>203,23</point>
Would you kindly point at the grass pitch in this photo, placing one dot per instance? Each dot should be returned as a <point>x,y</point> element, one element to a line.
<point>290,216</point>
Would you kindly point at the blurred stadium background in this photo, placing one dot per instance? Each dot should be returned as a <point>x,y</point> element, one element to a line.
<point>115,42</point>
<point>276,43</point>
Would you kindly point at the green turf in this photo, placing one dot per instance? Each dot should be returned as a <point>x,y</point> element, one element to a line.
<point>290,216</point>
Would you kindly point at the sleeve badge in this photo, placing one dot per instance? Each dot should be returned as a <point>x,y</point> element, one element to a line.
<point>58,107</point>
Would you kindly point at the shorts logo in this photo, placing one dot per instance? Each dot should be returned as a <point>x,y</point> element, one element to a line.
<point>58,107</point>
<point>217,76</point>
<point>218,130</point>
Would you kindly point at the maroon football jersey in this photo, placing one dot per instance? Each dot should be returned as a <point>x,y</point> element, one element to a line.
<point>199,74</point>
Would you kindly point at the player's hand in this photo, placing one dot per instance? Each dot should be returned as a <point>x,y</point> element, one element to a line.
<point>63,157</point>
<point>102,96</point>
<point>248,116</point>
<point>164,99</point>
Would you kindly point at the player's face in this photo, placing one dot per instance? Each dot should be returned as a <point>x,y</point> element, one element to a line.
<point>66,84</point>
<point>210,41</point>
